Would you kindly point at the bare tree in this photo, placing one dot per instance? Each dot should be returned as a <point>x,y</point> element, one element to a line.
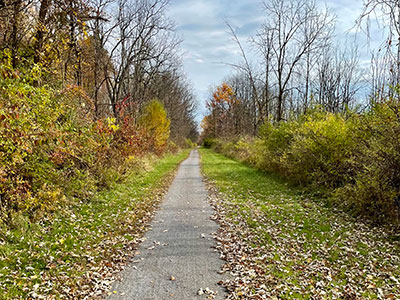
<point>381,78</point>
<point>294,29</point>
<point>102,26</point>
<point>246,117</point>
<point>247,70</point>
<point>264,43</point>
<point>45,5</point>
<point>338,80</point>
<point>388,13</point>
<point>140,44</point>
<point>313,55</point>
<point>14,26</point>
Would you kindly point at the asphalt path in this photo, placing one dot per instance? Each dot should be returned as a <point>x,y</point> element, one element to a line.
<point>177,259</point>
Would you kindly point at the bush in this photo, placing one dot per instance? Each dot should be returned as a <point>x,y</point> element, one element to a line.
<point>155,122</point>
<point>209,143</point>
<point>190,144</point>
<point>273,145</point>
<point>374,189</point>
<point>48,144</point>
<point>51,149</point>
<point>312,150</point>
<point>172,147</point>
<point>319,152</point>
<point>353,159</point>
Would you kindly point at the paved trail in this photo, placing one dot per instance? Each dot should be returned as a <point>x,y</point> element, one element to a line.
<point>178,247</point>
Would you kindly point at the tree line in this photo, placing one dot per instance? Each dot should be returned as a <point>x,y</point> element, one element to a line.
<point>87,89</point>
<point>122,53</point>
<point>300,64</point>
<point>310,112</point>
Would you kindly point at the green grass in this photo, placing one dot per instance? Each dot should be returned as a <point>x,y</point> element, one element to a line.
<point>83,243</point>
<point>308,248</point>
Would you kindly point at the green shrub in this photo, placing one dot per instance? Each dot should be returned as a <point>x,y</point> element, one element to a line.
<point>47,144</point>
<point>320,149</point>
<point>155,122</point>
<point>209,143</point>
<point>273,145</point>
<point>354,159</point>
<point>172,147</point>
<point>311,150</point>
<point>52,150</point>
<point>244,149</point>
<point>190,144</point>
<point>374,189</point>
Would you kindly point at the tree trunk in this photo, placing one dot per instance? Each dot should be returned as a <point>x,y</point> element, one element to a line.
<point>44,7</point>
<point>307,83</point>
<point>280,106</point>
<point>14,32</point>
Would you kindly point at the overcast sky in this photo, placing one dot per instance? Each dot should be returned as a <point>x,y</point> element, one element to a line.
<point>207,44</point>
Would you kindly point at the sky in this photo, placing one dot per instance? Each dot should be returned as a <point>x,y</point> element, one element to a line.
<point>208,47</point>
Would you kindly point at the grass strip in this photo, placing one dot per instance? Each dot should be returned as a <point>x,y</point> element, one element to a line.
<point>280,244</point>
<point>78,252</point>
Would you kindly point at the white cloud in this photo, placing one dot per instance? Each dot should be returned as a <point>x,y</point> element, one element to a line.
<point>207,43</point>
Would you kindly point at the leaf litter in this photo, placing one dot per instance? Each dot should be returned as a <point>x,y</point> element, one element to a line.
<point>83,261</point>
<point>283,246</point>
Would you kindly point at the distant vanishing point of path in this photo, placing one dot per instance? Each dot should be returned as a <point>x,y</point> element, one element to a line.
<point>177,258</point>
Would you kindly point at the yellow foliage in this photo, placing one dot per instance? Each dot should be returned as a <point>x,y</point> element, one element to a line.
<point>111,123</point>
<point>154,120</point>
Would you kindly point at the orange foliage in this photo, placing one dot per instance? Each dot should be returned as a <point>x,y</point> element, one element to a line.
<point>221,117</point>
<point>223,97</point>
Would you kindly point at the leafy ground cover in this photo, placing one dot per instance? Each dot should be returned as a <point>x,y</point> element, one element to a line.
<point>76,253</point>
<point>280,244</point>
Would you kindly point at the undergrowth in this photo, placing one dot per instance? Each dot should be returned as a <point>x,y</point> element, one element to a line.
<point>74,252</point>
<point>351,158</point>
